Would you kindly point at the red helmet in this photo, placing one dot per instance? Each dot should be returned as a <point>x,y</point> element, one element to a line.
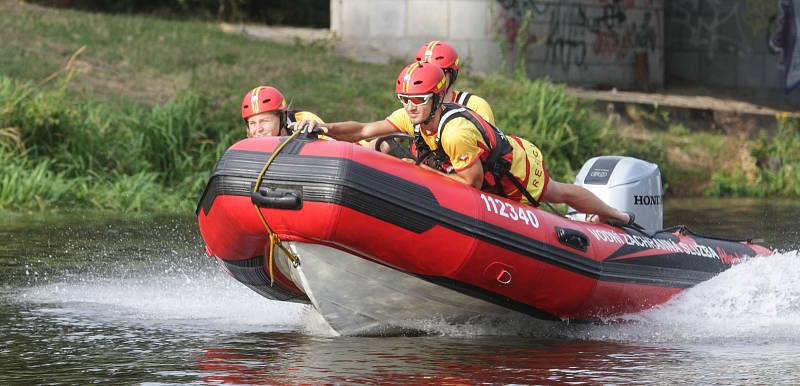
<point>420,78</point>
<point>262,99</point>
<point>440,53</point>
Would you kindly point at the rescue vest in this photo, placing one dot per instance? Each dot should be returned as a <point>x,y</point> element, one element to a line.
<point>496,164</point>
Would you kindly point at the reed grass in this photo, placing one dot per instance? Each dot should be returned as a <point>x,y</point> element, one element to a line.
<point>778,166</point>
<point>27,186</point>
<point>93,155</point>
<point>561,126</point>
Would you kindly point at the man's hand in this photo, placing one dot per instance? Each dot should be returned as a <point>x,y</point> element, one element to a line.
<point>308,126</point>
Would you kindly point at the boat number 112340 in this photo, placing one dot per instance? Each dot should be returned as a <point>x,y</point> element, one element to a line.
<point>509,211</point>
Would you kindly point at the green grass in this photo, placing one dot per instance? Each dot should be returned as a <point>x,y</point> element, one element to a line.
<point>93,154</point>
<point>561,126</point>
<point>777,171</point>
<point>687,159</point>
<point>129,113</point>
<point>151,60</point>
<point>147,106</point>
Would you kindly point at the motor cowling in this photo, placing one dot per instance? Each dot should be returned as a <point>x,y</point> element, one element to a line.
<point>628,184</point>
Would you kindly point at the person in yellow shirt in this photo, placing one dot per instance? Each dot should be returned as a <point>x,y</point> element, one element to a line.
<point>446,57</point>
<point>469,149</point>
<point>265,112</point>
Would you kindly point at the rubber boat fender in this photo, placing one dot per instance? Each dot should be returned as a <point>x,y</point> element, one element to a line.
<point>572,238</point>
<point>277,198</point>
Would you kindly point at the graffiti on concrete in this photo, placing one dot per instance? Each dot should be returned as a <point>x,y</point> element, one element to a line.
<point>566,42</point>
<point>612,35</point>
<point>577,32</point>
<point>785,41</point>
<point>645,36</point>
<point>615,36</point>
<point>712,25</point>
<point>513,15</point>
<point>612,17</point>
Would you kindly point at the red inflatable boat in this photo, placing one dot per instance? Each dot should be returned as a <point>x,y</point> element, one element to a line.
<point>376,244</point>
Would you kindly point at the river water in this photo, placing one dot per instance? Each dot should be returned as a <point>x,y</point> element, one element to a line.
<point>97,298</point>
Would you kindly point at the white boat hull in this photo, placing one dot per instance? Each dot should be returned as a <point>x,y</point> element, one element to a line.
<point>356,296</point>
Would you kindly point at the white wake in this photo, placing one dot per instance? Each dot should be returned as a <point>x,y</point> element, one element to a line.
<point>755,301</point>
<point>204,298</point>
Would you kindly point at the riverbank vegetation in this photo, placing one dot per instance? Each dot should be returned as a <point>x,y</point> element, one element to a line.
<point>130,113</point>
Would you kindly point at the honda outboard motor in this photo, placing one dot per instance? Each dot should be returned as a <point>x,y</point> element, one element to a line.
<point>628,184</point>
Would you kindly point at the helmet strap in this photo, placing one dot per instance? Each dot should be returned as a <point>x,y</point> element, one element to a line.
<point>436,103</point>
<point>283,125</point>
<point>452,74</point>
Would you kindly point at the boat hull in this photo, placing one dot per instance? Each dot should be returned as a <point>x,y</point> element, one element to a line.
<point>357,296</point>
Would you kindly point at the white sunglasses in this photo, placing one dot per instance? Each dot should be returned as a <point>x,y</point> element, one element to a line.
<point>414,100</point>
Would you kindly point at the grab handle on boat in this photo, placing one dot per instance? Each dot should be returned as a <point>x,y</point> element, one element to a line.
<point>277,198</point>
<point>572,238</point>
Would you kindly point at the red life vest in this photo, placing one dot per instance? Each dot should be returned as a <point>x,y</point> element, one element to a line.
<point>496,160</point>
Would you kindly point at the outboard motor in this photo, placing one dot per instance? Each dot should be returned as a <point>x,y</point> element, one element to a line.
<point>628,184</point>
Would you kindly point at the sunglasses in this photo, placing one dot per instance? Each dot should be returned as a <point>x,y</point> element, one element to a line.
<point>415,100</point>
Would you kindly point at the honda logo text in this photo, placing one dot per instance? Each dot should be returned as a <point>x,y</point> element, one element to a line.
<point>646,200</point>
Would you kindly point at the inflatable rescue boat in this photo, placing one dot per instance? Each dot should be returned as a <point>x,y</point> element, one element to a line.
<point>377,244</point>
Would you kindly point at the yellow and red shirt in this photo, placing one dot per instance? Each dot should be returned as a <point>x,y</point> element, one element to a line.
<point>298,116</point>
<point>474,103</point>
<point>464,145</point>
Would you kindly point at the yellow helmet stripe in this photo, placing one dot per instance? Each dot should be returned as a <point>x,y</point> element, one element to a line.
<point>407,77</point>
<point>440,85</point>
<point>429,50</point>
<point>254,100</point>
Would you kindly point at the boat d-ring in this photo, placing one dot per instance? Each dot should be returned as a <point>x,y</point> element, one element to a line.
<point>504,277</point>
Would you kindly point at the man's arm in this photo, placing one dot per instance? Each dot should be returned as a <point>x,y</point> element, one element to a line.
<point>582,200</point>
<point>462,143</point>
<point>352,131</point>
<point>378,129</point>
<point>472,175</point>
